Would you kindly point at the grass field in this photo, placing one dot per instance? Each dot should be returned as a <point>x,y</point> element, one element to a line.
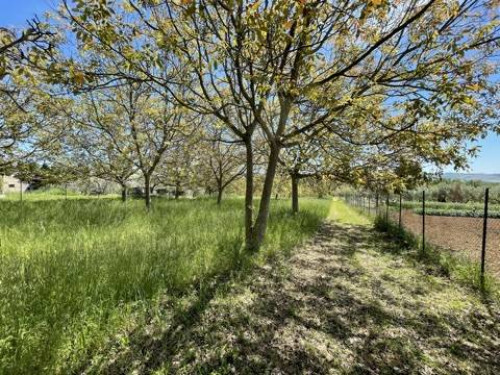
<point>53,194</point>
<point>349,301</point>
<point>78,274</point>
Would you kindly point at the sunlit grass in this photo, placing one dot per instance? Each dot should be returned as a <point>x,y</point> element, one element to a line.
<point>343,213</point>
<point>75,273</point>
<point>52,194</point>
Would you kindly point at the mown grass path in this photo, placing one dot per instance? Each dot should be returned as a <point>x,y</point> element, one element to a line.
<point>345,303</point>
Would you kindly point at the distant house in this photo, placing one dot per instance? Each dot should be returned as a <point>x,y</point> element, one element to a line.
<point>11,184</point>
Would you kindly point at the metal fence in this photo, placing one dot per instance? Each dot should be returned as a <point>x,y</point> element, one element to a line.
<point>471,230</point>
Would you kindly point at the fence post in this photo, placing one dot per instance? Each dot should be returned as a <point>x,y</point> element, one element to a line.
<point>387,207</point>
<point>423,221</point>
<point>485,232</point>
<point>400,208</point>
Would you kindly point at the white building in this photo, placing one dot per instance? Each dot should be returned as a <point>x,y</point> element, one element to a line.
<point>10,184</point>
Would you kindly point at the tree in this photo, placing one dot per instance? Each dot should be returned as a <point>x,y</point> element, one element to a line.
<point>381,69</point>
<point>92,149</point>
<point>178,168</point>
<point>31,45</point>
<point>222,158</point>
<point>24,108</point>
<point>100,159</point>
<point>129,125</point>
<point>322,158</point>
<point>145,52</point>
<point>401,74</point>
<point>302,160</point>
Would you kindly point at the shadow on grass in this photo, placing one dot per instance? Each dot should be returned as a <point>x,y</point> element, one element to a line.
<point>325,312</point>
<point>152,351</point>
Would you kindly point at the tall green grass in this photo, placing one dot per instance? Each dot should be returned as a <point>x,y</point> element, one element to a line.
<point>75,273</point>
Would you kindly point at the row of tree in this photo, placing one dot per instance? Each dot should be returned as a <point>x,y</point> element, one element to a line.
<point>368,92</point>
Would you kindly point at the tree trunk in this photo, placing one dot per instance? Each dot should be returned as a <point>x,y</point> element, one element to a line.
<point>249,193</point>
<point>295,193</point>
<point>124,194</point>
<point>220,190</point>
<point>147,191</point>
<point>265,203</point>
<point>259,230</point>
<point>177,191</point>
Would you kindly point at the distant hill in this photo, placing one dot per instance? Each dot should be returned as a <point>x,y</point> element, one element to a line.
<point>486,177</point>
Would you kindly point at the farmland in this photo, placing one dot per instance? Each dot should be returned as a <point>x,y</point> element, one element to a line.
<point>457,227</point>
<point>75,274</point>
<point>459,234</point>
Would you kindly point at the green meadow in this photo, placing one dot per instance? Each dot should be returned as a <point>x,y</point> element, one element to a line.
<point>76,275</point>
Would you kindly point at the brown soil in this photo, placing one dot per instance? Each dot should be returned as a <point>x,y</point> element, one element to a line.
<point>461,234</point>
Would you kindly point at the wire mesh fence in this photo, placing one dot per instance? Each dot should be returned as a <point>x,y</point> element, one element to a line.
<point>471,230</point>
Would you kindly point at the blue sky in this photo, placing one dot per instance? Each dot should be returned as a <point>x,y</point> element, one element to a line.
<point>488,160</point>
<point>16,12</point>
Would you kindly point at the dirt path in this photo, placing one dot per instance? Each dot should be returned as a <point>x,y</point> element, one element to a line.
<point>343,304</point>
